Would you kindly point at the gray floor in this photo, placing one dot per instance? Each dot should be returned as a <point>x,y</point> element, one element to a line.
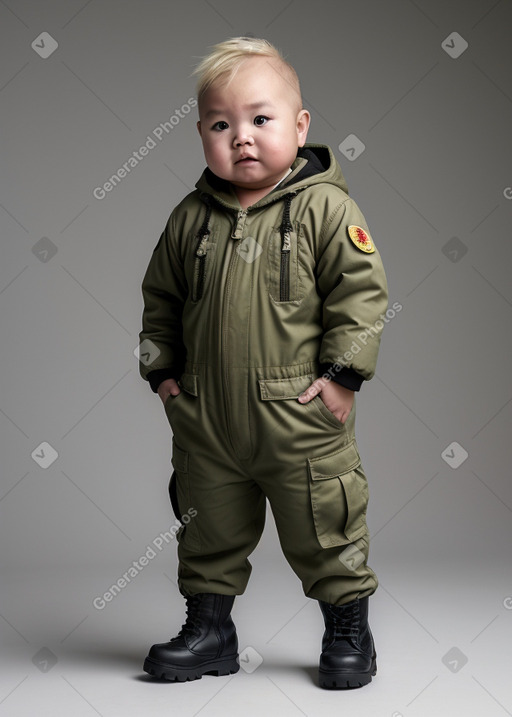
<point>61,656</point>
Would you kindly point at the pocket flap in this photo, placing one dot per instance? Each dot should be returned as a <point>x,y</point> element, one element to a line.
<point>335,464</point>
<point>273,389</point>
<point>189,383</point>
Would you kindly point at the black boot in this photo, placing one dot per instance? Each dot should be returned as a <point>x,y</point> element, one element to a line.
<point>206,644</point>
<point>348,656</point>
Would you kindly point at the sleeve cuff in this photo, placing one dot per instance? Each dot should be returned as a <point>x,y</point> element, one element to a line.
<point>346,377</point>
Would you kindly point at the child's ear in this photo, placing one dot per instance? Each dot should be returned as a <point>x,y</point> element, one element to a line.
<point>303,120</point>
<point>198,125</point>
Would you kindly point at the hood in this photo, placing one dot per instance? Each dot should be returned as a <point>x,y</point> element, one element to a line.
<point>314,164</point>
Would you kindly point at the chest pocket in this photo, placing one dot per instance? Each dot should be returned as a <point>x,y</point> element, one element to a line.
<point>284,278</point>
<point>203,248</point>
<point>202,261</point>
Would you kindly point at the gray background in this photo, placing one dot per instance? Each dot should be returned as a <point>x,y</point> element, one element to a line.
<point>434,183</point>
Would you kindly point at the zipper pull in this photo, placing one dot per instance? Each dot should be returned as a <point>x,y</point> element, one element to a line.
<point>287,243</point>
<point>201,249</point>
<point>238,229</point>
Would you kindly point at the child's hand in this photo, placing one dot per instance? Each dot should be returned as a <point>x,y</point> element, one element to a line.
<point>166,387</point>
<point>338,399</point>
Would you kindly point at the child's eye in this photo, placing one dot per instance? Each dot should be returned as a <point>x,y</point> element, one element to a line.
<point>220,125</point>
<point>260,120</point>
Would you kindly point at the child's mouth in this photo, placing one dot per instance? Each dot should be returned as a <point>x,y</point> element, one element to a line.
<point>246,160</point>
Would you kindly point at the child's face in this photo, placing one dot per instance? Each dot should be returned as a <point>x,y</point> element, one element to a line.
<point>258,115</point>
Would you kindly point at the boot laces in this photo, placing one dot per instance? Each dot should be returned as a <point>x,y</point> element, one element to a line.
<point>192,624</point>
<point>345,619</point>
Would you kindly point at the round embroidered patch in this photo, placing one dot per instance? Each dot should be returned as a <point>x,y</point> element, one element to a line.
<point>361,238</point>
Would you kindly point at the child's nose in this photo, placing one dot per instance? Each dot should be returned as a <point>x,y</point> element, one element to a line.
<point>242,138</point>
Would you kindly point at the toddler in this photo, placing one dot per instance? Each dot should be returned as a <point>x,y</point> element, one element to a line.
<point>262,307</point>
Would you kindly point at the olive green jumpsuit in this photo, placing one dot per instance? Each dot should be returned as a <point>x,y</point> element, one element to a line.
<point>246,308</point>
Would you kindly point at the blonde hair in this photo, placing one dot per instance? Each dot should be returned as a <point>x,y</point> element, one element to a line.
<point>226,57</point>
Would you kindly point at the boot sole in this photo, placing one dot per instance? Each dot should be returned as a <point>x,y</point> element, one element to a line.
<point>346,680</point>
<point>173,673</point>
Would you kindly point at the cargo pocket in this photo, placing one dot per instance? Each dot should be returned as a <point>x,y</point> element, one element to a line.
<point>280,389</point>
<point>339,496</point>
<point>182,497</point>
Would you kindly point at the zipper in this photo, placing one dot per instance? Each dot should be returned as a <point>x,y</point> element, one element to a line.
<point>284,273</point>
<point>200,268</point>
<point>238,229</point>
<point>202,250</point>
<point>236,234</point>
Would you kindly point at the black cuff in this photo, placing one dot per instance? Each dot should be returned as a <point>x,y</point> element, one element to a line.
<point>156,377</point>
<point>346,377</point>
